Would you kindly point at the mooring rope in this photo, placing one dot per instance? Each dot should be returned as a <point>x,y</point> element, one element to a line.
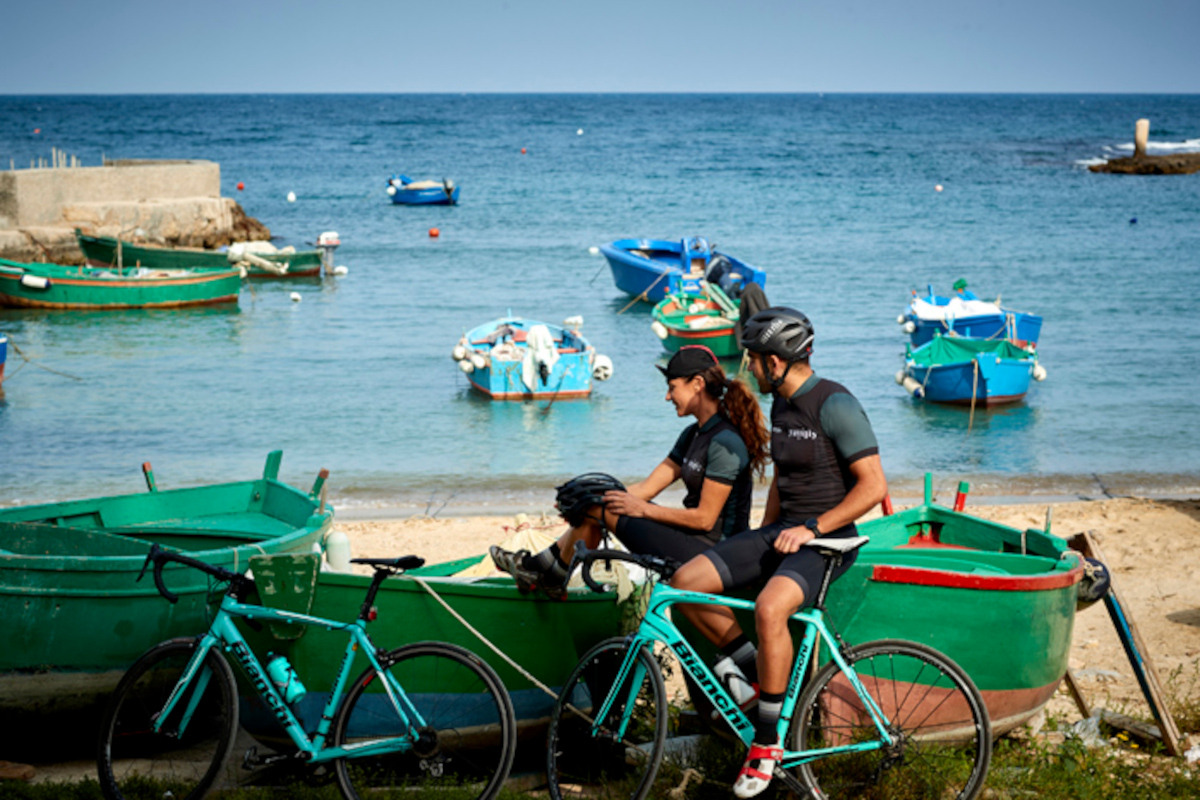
<point>644,295</point>
<point>29,360</point>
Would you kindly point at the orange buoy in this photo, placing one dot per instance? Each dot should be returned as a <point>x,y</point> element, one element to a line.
<point>434,233</point>
<point>37,130</point>
<point>522,151</point>
<point>241,186</point>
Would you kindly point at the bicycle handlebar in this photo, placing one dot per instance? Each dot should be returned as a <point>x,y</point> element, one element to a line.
<point>665,567</point>
<point>161,557</point>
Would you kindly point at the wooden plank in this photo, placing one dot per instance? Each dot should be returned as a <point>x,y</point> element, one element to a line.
<point>1077,695</point>
<point>1135,648</point>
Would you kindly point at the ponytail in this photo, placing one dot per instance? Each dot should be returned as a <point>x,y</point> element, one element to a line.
<point>740,405</point>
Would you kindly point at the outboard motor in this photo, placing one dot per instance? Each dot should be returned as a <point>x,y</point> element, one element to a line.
<point>694,252</point>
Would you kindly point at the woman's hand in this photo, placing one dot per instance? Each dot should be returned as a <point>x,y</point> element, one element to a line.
<point>624,504</point>
<point>790,540</point>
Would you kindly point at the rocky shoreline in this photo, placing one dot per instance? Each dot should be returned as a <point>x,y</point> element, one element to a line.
<point>1174,164</point>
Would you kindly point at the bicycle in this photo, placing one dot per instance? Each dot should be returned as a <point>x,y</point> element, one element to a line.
<point>886,719</point>
<point>170,724</point>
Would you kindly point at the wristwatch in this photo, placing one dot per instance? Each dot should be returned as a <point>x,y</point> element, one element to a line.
<point>811,524</point>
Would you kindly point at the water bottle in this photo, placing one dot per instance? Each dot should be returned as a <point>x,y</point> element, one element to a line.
<point>734,681</point>
<point>285,679</point>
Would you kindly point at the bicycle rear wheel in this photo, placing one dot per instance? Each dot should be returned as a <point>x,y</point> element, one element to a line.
<point>185,759</point>
<point>586,760</point>
<point>943,741</point>
<point>465,749</point>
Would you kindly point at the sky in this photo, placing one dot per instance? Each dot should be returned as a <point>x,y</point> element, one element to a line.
<point>480,46</point>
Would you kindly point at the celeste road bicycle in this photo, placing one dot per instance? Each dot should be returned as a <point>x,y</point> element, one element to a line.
<point>886,719</point>
<point>428,719</point>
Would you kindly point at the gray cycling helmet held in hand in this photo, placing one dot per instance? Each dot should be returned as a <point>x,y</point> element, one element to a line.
<point>779,331</point>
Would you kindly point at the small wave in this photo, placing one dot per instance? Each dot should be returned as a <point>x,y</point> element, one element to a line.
<point>1161,148</point>
<point>1089,162</point>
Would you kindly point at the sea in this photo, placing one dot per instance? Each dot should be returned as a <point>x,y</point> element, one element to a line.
<point>834,195</point>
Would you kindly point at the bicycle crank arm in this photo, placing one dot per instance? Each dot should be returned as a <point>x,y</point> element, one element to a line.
<point>796,786</point>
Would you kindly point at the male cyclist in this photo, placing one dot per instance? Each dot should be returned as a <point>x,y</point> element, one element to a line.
<point>827,475</point>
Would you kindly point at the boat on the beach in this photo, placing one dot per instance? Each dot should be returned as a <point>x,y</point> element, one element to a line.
<point>708,317</point>
<point>967,316</point>
<point>999,601</point>
<point>514,358</point>
<point>545,637</point>
<point>73,615</point>
<point>106,251</point>
<point>951,369</point>
<point>57,286</point>
<point>404,191</point>
<point>643,267</point>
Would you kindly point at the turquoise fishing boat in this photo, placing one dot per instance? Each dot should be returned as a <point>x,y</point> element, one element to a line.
<point>953,369</point>
<point>73,615</point>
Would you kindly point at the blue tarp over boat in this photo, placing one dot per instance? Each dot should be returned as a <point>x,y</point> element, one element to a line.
<point>643,267</point>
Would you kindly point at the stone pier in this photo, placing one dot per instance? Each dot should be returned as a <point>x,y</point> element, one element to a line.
<point>163,202</point>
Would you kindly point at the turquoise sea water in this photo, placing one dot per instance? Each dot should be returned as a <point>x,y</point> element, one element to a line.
<point>833,195</point>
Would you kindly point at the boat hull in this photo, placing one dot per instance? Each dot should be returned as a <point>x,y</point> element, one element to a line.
<point>89,288</point>
<point>965,587</point>
<point>545,637</point>
<point>73,615</point>
<point>970,371</point>
<point>425,197</point>
<point>643,267</point>
<point>504,373</point>
<point>101,251</point>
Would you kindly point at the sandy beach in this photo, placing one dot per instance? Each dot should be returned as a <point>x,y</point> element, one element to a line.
<point>1152,547</point>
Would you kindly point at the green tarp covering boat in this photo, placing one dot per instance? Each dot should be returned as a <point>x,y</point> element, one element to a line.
<point>57,286</point>
<point>106,251</point>
<point>73,616</point>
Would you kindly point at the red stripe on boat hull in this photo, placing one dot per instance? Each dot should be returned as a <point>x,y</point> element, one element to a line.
<point>921,576</point>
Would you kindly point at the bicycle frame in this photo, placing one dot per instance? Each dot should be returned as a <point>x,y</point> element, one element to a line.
<point>656,627</point>
<point>223,633</point>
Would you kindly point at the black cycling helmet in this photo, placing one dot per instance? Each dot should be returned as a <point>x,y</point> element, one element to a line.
<point>580,493</point>
<point>779,331</point>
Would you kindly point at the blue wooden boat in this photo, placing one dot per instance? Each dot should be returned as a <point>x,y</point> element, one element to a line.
<point>952,369</point>
<point>404,191</point>
<point>513,358</point>
<point>644,267</point>
<point>3,355</point>
<point>965,315</point>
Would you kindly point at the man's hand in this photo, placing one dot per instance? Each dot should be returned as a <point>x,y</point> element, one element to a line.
<point>790,540</point>
<point>625,504</point>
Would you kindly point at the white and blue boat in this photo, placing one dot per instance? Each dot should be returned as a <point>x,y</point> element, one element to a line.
<point>404,191</point>
<point>967,316</point>
<point>985,372</point>
<point>645,268</point>
<point>513,358</point>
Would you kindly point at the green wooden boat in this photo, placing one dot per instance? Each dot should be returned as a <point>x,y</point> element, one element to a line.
<point>546,637</point>
<point>106,251</point>
<point>73,616</point>
<point>999,601</point>
<point>57,286</point>
<point>707,317</point>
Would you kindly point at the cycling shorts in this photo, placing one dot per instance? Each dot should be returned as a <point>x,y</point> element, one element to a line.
<point>649,538</point>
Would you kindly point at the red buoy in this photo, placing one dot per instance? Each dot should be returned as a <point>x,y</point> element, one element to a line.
<point>522,151</point>
<point>241,186</point>
<point>37,130</point>
<point>434,233</point>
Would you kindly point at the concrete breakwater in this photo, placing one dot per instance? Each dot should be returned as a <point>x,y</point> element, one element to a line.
<point>158,202</point>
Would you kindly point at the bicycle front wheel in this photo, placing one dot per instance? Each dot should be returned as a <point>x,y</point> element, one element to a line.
<point>185,757</point>
<point>942,741</point>
<point>463,749</point>
<point>588,757</point>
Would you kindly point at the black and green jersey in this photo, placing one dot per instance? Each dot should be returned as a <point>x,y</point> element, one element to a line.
<point>716,451</point>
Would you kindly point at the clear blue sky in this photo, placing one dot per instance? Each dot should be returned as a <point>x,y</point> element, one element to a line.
<point>136,46</point>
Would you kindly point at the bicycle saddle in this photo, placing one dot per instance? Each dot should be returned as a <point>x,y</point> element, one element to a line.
<point>828,547</point>
<point>403,562</point>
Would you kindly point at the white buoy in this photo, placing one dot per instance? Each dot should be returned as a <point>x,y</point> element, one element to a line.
<point>910,326</point>
<point>337,550</point>
<point>466,366</point>
<point>574,322</point>
<point>659,329</point>
<point>341,270</point>
<point>291,198</point>
<point>913,388</point>
<point>900,320</point>
<point>937,188</point>
<point>35,282</point>
<point>579,132</point>
<point>602,368</point>
<point>594,250</point>
<point>900,378</point>
<point>391,190</point>
<point>295,297</point>
<point>1039,372</point>
<point>478,360</point>
<point>458,353</point>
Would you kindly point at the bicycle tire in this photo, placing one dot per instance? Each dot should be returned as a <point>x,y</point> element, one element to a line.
<point>469,742</point>
<point>943,733</point>
<point>130,759</point>
<point>576,758</point>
